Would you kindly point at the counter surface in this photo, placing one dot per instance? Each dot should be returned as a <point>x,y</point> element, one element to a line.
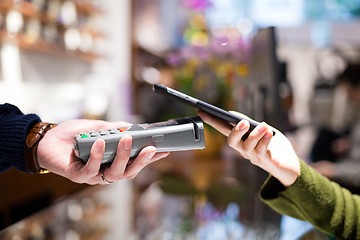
<point>188,195</point>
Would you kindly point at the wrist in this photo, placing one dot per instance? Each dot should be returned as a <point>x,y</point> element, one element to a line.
<point>32,142</point>
<point>286,174</point>
<point>290,175</point>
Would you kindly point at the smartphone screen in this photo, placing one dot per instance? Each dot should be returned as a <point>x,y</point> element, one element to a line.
<point>203,106</point>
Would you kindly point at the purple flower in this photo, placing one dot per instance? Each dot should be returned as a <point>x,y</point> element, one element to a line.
<point>194,52</point>
<point>221,46</point>
<point>175,59</point>
<point>198,5</point>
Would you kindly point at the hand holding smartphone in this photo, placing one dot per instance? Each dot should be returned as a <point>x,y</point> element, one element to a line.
<point>203,106</point>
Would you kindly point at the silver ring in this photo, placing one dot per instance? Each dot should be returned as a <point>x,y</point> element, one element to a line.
<point>104,179</point>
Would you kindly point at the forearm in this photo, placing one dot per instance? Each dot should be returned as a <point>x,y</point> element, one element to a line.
<point>316,199</point>
<point>309,195</point>
<point>14,126</point>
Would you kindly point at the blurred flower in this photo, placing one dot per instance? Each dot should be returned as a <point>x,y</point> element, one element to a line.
<point>198,5</point>
<point>208,72</point>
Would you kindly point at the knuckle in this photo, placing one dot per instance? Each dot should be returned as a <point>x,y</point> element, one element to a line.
<point>91,171</point>
<point>75,179</point>
<point>253,134</point>
<point>257,151</point>
<point>130,176</point>
<point>115,178</point>
<point>79,180</point>
<point>255,160</point>
<point>246,149</point>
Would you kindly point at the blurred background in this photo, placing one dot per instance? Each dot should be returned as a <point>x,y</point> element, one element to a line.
<point>275,60</point>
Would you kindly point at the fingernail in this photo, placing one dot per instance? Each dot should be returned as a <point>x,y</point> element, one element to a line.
<point>127,144</point>
<point>268,135</point>
<point>261,129</point>
<point>241,126</point>
<point>100,145</point>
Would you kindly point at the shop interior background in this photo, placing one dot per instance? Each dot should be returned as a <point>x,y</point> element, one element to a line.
<point>275,60</point>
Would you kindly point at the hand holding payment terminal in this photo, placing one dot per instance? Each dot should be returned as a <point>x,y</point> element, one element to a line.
<point>173,135</point>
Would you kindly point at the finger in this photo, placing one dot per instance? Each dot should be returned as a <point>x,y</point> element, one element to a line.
<point>92,166</point>
<point>118,166</point>
<point>96,180</point>
<point>222,126</point>
<point>159,156</point>
<point>254,137</point>
<point>242,116</point>
<point>263,144</point>
<point>144,158</point>
<point>237,133</point>
<point>137,165</point>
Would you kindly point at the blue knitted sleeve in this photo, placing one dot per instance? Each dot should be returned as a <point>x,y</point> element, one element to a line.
<point>14,127</point>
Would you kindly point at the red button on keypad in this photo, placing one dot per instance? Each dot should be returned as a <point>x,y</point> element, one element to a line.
<point>122,129</point>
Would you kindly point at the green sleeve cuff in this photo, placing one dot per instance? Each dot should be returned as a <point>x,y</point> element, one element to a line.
<point>316,199</point>
<point>280,198</point>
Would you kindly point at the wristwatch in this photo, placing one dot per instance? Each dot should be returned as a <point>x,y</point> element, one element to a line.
<point>32,142</point>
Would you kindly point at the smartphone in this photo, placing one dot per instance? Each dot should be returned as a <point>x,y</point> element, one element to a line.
<point>203,106</point>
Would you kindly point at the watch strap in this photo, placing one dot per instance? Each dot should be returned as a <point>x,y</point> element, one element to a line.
<point>32,141</point>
